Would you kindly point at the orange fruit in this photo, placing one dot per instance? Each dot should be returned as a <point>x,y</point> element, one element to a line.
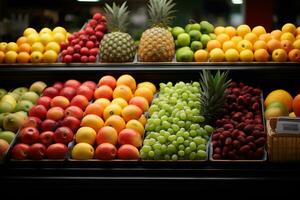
<point>144,92</point>
<point>92,121</point>
<point>230,31</point>
<point>279,95</point>
<point>260,44</point>
<point>228,45</point>
<point>261,55</point>
<point>259,30</point>
<point>219,29</point>
<point>288,36</point>
<point>45,30</point>
<point>112,109</point>
<point>85,134</point>
<point>265,37</point>
<point>107,134</point>
<point>296,105</point>
<point>53,46</point>
<point>94,108</point>
<point>29,31</point>
<point>246,55</point>
<point>279,55</point>
<point>223,37</point>
<point>294,55</point>
<point>232,55</point>
<point>10,57</point>
<point>103,101</point>
<point>123,91</point>
<point>32,38</point>
<point>137,126</point>
<point>131,112</point>
<point>273,44</point>
<point>140,102</point>
<point>143,120</point>
<point>23,57</point>
<point>286,45</point>
<point>216,55</point>
<point>121,102</point>
<point>103,91</point>
<point>149,85</point>
<point>2,55</point>
<point>12,46</point>
<point>212,44</point>
<point>83,151</point>
<point>45,38</point>
<point>296,44</point>
<point>59,29</point>
<point>298,30</point>
<point>242,30</point>
<point>116,122</point>
<point>127,80</point>
<point>201,55</point>
<point>244,44</point>
<point>252,37</point>
<point>38,46</point>
<point>236,39</point>
<point>276,34</point>
<point>3,46</point>
<point>109,81</point>
<point>290,28</point>
<point>25,47</point>
<point>21,40</point>
<point>36,57</point>
<point>50,56</point>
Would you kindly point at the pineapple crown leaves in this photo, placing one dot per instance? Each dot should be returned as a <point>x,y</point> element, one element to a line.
<point>117,17</point>
<point>213,94</point>
<point>161,12</point>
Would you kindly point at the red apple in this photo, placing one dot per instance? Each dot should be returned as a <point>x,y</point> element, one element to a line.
<point>84,59</point>
<point>93,22</point>
<point>128,152</point>
<point>97,16</point>
<point>84,51</point>
<point>92,38</point>
<point>76,57</point>
<point>109,81</point>
<point>29,135</point>
<point>80,101</point>
<point>50,92</point>
<point>55,113</point>
<point>74,111</point>
<point>37,151</point>
<point>77,48</point>
<point>92,59</point>
<point>99,35</point>
<point>45,101</point>
<point>68,92</point>
<point>100,27</point>
<point>85,91</point>
<point>46,138</point>
<point>63,45</point>
<point>64,52</point>
<point>71,122</point>
<point>20,151</point>
<point>71,37</point>
<point>63,135</point>
<point>67,59</point>
<point>90,44</point>
<point>38,111</point>
<point>60,101</point>
<point>75,41</point>
<point>130,136</point>
<point>72,83</point>
<point>58,85</point>
<point>33,122</point>
<point>56,151</point>
<point>91,84</point>
<point>89,31</point>
<point>105,151</point>
<point>94,51</point>
<point>70,50</point>
<point>49,125</point>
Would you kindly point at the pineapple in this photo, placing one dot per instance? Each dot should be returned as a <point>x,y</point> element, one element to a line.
<point>157,43</point>
<point>213,94</point>
<point>117,46</point>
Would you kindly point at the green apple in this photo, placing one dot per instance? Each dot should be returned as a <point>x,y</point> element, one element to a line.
<point>20,90</point>
<point>13,122</point>
<point>15,95</point>
<point>196,27</point>
<point>195,35</point>
<point>22,114</point>
<point>183,39</point>
<point>8,136</point>
<point>38,87</point>
<point>30,96</point>
<point>212,36</point>
<point>2,115</point>
<point>196,45</point>
<point>6,107</point>
<point>2,92</point>
<point>176,44</point>
<point>23,105</point>
<point>204,39</point>
<point>176,31</point>
<point>206,27</point>
<point>188,28</point>
<point>184,54</point>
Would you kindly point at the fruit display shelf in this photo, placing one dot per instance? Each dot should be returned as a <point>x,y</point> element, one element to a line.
<point>122,175</point>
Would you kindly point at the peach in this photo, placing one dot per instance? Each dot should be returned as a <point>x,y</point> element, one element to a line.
<point>92,121</point>
<point>279,55</point>
<point>116,122</point>
<point>94,108</point>
<point>244,44</point>
<point>273,44</point>
<point>105,151</point>
<point>122,91</point>
<point>131,112</point>
<point>261,55</point>
<point>103,91</point>
<point>112,109</point>
<point>140,102</point>
<point>107,134</point>
<point>80,101</point>
<point>137,126</point>
<point>144,92</point>
<point>60,101</point>
<point>55,113</point>
<point>286,45</point>
<point>260,44</point>
<point>127,80</point>
<point>130,136</point>
<point>109,81</point>
<point>294,55</point>
<point>128,152</point>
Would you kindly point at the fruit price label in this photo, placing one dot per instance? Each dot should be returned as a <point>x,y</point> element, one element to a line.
<point>287,125</point>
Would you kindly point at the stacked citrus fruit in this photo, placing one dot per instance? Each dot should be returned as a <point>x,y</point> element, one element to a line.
<point>113,125</point>
<point>34,47</point>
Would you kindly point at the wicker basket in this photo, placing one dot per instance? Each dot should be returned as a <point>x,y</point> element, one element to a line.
<point>282,147</point>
